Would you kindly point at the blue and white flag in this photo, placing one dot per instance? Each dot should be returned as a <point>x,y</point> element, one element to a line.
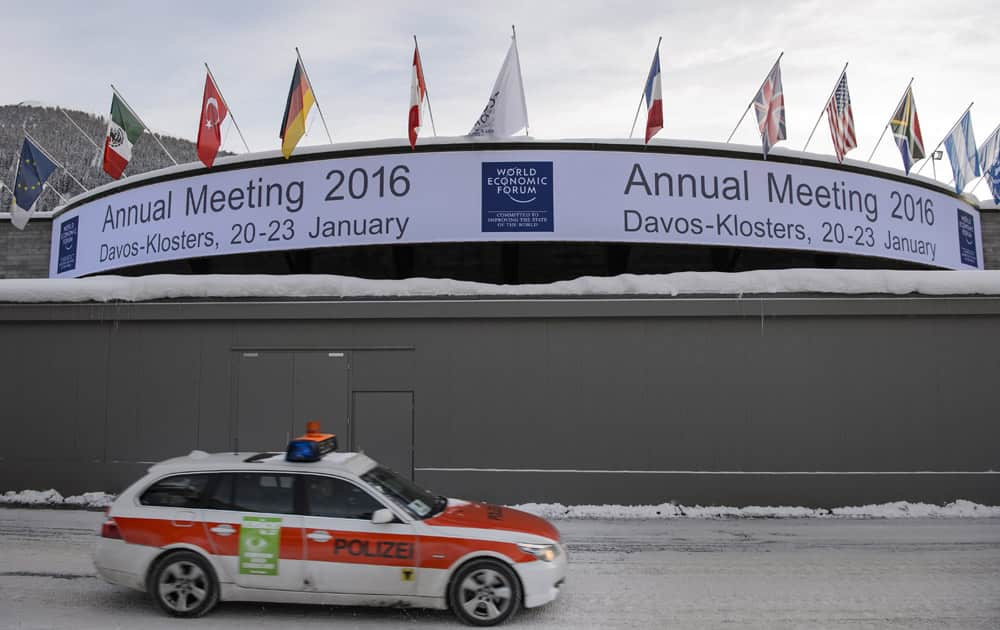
<point>989,151</point>
<point>989,160</point>
<point>993,179</point>
<point>962,153</point>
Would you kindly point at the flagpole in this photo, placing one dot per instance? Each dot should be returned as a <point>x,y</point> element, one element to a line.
<point>53,160</point>
<point>642,93</point>
<point>427,92</point>
<point>520,80</point>
<point>315,100</point>
<point>17,169</point>
<point>890,119</point>
<point>826,105</point>
<point>638,108</point>
<point>229,109</point>
<point>80,129</point>
<point>52,188</point>
<point>957,122</point>
<point>151,132</point>
<point>755,96</point>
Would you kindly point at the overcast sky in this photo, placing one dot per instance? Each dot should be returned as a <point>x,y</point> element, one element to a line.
<point>584,63</point>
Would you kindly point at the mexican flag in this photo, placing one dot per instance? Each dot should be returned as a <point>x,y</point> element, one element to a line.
<point>124,130</point>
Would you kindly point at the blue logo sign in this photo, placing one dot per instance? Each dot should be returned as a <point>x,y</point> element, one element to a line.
<point>967,239</point>
<point>517,197</point>
<point>67,244</point>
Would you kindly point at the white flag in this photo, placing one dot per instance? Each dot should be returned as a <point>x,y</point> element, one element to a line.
<point>505,113</point>
<point>19,217</point>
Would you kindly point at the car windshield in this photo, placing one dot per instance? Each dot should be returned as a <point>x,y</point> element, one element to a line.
<point>415,500</point>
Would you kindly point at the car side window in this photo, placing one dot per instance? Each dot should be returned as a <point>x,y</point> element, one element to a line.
<point>220,494</point>
<point>336,498</point>
<point>183,491</point>
<point>253,492</point>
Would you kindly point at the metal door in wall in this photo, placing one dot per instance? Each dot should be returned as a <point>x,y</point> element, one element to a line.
<point>279,391</point>
<point>383,428</point>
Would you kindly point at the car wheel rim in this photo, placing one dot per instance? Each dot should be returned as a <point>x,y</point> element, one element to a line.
<point>183,586</point>
<point>485,594</point>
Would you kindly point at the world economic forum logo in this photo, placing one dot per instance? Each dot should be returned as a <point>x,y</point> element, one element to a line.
<point>67,244</point>
<point>967,239</point>
<point>517,197</point>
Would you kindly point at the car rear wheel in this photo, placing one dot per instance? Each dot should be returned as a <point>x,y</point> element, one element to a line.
<point>184,585</point>
<point>485,593</point>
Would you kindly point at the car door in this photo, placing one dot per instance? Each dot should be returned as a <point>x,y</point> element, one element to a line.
<point>347,553</point>
<point>170,514</point>
<point>255,534</point>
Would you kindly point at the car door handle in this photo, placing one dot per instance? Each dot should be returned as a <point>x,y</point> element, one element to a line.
<point>319,536</point>
<point>223,530</point>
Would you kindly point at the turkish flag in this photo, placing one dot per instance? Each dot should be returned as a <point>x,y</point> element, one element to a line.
<point>213,112</point>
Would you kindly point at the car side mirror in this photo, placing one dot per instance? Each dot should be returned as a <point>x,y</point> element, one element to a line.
<point>382,516</point>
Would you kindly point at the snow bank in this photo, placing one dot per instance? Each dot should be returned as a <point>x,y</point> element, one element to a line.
<point>837,281</point>
<point>51,498</point>
<point>899,509</point>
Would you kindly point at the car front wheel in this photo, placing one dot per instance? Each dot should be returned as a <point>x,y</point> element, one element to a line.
<point>485,593</point>
<point>184,585</point>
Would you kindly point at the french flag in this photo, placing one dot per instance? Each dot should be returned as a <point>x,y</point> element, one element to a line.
<point>654,98</point>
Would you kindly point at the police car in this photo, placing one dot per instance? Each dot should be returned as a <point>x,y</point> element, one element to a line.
<point>317,526</point>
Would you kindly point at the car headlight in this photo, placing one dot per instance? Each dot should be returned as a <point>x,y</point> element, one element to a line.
<point>545,553</point>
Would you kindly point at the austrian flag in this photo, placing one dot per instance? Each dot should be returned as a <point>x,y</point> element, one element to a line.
<point>124,130</point>
<point>654,98</point>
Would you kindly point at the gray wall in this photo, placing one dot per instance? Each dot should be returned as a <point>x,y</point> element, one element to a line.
<point>991,238</point>
<point>805,400</point>
<point>25,254</point>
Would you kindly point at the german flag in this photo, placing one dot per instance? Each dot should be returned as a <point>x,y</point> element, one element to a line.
<point>300,99</point>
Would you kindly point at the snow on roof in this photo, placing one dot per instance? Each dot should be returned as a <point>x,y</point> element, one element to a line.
<point>832,281</point>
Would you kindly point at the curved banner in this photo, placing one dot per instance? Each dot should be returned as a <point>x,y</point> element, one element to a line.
<point>542,194</point>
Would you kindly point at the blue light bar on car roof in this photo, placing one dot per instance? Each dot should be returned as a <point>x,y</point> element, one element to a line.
<point>312,446</point>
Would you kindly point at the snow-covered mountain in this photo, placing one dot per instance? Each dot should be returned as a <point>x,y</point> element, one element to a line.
<point>49,126</point>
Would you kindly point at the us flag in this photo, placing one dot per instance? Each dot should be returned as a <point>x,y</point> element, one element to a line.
<point>838,112</point>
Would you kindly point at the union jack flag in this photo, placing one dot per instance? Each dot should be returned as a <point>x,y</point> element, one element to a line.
<point>841,117</point>
<point>769,104</point>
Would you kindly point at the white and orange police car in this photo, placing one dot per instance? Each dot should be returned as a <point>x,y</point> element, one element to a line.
<point>318,526</point>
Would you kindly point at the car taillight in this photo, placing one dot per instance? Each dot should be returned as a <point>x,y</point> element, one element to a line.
<point>110,530</point>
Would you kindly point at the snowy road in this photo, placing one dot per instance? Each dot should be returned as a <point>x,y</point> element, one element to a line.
<point>679,573</point>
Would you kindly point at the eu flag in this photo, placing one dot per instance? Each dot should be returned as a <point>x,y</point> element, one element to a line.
<point>34,168</point>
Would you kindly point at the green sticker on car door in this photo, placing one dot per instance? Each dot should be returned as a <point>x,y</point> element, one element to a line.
<point>260,540</point>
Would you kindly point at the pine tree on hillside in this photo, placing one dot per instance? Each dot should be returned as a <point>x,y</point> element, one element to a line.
<point>50,128</point>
